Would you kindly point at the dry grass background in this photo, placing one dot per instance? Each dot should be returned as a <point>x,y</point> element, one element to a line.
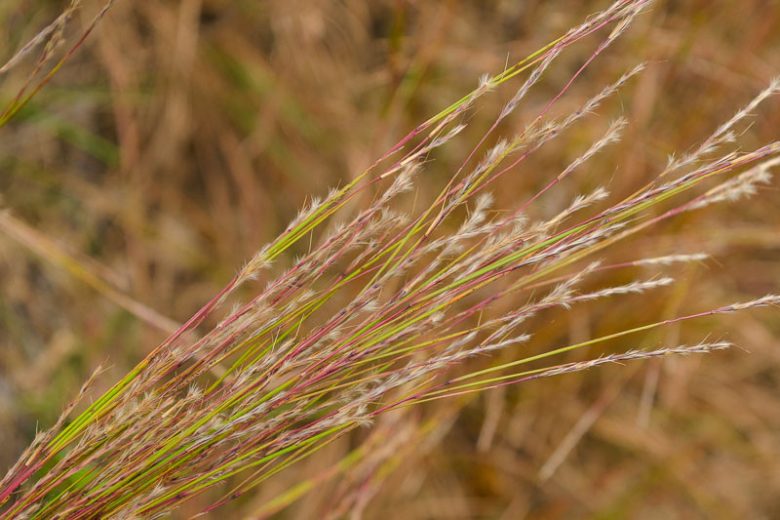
<point>185,134</point>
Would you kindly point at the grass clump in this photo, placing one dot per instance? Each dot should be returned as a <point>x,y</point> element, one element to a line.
<point>395,302</point>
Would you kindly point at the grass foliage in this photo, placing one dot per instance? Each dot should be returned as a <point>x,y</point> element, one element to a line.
<point>397,288</point>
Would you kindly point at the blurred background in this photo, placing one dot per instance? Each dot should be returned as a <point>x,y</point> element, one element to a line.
<point>184,135</point>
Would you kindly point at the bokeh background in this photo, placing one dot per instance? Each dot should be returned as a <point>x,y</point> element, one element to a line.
<point>184,135</point>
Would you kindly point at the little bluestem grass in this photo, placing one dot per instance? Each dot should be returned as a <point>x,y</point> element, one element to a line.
<point>293,367</point>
